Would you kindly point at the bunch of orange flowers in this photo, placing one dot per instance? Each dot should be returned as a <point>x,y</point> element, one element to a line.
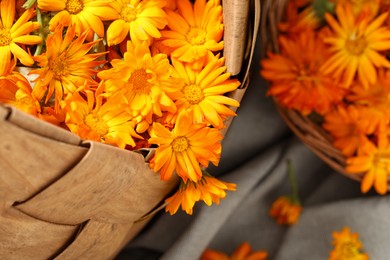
<point>129,73</point>
<point>334,62</point>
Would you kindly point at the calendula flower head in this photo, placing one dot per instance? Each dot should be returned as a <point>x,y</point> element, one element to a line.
<point>16,90</point>
<point>195,31</point>
<point>84,15</point>
<point>141,19</point>
<point>202,96</point>
<point>286,209</point>
<point>373,162</point>
<point>184,149</point>
<point>347,246</point>
<point>356,47</point>
<point>295,76</point>
<point>243,252</point>
<point>66,65</point>
<point>12,35</point>
<point>208,189</point>
<point>97,119</point>
<point>146,80</point>
<point>350,125</point>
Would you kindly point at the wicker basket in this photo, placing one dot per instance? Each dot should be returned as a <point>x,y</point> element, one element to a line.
<point>309,132</point>
<point>67,198</point>
<point>82,203</point>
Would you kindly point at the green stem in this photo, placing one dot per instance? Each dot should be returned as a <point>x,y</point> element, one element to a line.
<point>293,181</point>
<point>38,51</point>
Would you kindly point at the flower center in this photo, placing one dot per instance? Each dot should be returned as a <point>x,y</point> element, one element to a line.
<point>306,73</point>
<point>74,6</point>
<point>180,144</point>
<point>356,46</point>
<point>129,13</point>
<point>97,124</point>
<point>193,94</point>
<point>196,36</point>
<point>140,81</point>
<point>5,36</point>
<point>59,66</point>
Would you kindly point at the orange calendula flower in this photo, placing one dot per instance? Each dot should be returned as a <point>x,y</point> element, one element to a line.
<point>208,189</point>
<point>202,96</point>
<point>374,161</point>
<point>12,34</point>
<point>285,210</point>
<point>84,15</point>
<point>184,148</point>
<point>66,65</point>
<point>297,82</point>
<point>243,252</point>
<point>146,80</point>
<point>140,19</point>
<point>356,47</point>
<point>349,126</point>
<point>99,120</point>
<point>347,246</point>
<point>16,91</point>
<point>195,30</point>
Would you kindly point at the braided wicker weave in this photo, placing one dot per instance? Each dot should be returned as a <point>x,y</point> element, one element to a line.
<point>309,132</point>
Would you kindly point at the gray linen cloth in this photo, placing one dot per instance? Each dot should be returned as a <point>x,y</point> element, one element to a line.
<point>254,157</point>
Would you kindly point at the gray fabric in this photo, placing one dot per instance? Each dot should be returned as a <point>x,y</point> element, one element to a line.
<point>254,156</point>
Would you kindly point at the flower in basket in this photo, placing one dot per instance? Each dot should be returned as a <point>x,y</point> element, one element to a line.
<point>332,66</point>
<point>136,74</point>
